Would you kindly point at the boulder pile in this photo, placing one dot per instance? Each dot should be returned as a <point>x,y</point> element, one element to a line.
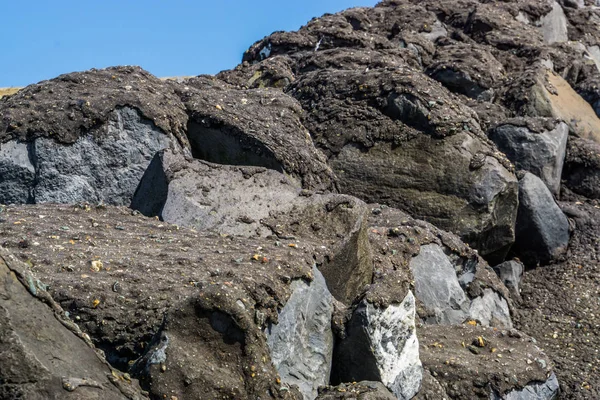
<point>397,202</point>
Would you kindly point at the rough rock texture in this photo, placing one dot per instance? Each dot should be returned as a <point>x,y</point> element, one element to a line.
<point>256,127</point>
<point>476,362</point>
<point>381,345</point>
<point>438,287</point>
<point>364,390</point>
<point>554,25</point>
<point>301,343</point>
<point>119,274</point>
<point>582,167</point>
<point>542,228</point>
<point>44,354</point>
<point>542,153</point>
<point>443,168</point>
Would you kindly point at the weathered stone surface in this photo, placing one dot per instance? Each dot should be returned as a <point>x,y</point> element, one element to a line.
<point>542,228</point>
<point>256,201</point>
<point>364,390</point>
<point>254,127</point>
<point>438,287</point>
<point>443,168</point>
<point>554,25</point>
<point>542,93</point>
<point>381,345</point>
<point>43,354</point>
<point>582,167</point>
<point>301,343</point>
<point>508,363</point>
<point>542,153</point>
<point>511,272</point>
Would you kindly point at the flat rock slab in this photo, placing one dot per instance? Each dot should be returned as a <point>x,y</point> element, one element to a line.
<point>479,362</point>
<point>43,354</point>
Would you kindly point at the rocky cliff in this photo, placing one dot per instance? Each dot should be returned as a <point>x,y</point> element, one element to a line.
<point>391,202</point>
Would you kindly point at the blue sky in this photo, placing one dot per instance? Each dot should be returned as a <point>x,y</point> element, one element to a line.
<point>40,39</point>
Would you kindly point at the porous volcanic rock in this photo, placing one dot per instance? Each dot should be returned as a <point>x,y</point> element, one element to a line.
<point>478,362</point>
<point>43,353</point>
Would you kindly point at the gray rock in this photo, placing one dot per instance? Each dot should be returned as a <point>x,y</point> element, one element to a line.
<point>42,352</point>
<point>96,168</point>
<point>437,286</point>
<point>554,25</point>
<point>301,343</point>
<point>490,310</point>
<point>17,173</point>
<point>439,289</point>
<point>542,229</point>
<point>547,390</point>
<point>582,167</point>
<point>381,345</point>
<point>510,272</point>
<point>541,153</point>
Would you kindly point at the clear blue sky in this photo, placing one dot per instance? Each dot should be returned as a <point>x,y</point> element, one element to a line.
<point>40,39</point>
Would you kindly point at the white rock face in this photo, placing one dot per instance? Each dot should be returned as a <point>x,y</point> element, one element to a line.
<point>382,345</point>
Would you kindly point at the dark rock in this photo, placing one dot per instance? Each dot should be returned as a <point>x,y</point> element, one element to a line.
<point>381,345</point>
<point>255,127</point>
<point>582,167</point>
<point>511,272</point>
<point>542,228</point>
<point>301,343</point>
<point>43,353</point>
<point>541,153</point>
<point>407,122</point>
<point>364,390</point>
<point>544,390</point>
<point>17,173</point>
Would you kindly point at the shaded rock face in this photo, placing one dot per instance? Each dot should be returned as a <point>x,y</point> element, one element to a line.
<point>439,288</point>
<point>381,345</point>
<point>301,343</point>
<point>541,153</point>
<point>542,228</point>
<point>511,272</point>
<point>97,169</point>
<point>582,167</point>
<point>364,390</point>
<point>43,354</point>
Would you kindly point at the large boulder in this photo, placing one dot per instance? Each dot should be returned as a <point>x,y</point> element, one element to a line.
<point>252,127</point>
<point>451,282</point>
<point>535,146</point>
<point>413,148</point>
<point>42,352</point>
<point>86,136</point>
<point>542,228</point>
<point>381,345</point>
